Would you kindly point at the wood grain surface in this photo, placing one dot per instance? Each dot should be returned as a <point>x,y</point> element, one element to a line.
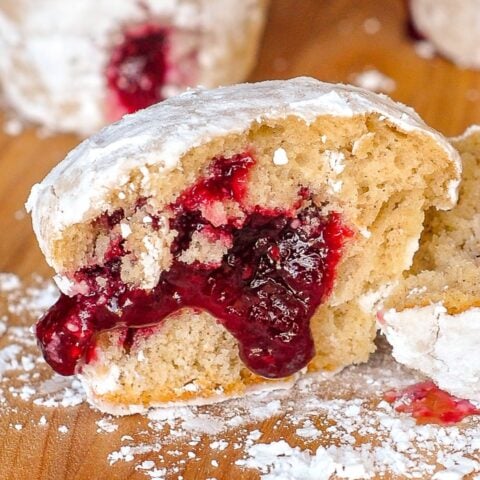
<point>322,38</point>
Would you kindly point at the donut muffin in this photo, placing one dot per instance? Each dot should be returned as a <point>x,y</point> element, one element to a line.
<point>432,319</point>
<point>220,241</point>
<point>453,27</point>
<point>75,66</point>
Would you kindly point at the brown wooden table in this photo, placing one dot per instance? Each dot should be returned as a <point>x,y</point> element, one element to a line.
<point>326,39</point>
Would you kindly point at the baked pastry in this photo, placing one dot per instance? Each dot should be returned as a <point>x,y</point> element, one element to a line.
<point>432,319</point>
<point>220,240</point>
<point>75,66</point>
<point>452,26</point>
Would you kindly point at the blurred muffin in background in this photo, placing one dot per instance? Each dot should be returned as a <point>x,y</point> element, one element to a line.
<point>452,26</point>
<point>74,66</point>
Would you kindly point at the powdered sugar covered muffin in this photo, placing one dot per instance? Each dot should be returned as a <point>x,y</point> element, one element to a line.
<point>220,241</point>
<point>433,317</point>
<point>453,26</point>
<point>75,66</point>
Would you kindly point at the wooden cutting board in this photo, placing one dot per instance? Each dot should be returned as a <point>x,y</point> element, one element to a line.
<point>333,40</point>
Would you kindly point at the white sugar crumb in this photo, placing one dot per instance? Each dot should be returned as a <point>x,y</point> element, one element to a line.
<point>125,230</point>
<point>424,49</point>
<point>60,391</point>
<point>278,460</point>
<point>372,25</point>
<point>374,81</point>
<point>157,473</point>
<point>266,411</point>
<point>280,157</point>
<point>191,387</point>
<point>335,185</point>
<point>219,445</point>
<point>146,465</point>
<point>13,127</point>
<point>340,427</point>
<point>127,453</point>
<point>416,291</point>
<point>105,425</point>
<point>20,214</point>
<point>336,161</point>
<point>309,430</point>
<point>9,282</point>
<point>364,232</point>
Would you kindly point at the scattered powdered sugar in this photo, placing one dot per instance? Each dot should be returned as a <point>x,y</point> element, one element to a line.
<point>319,429</point>
<point>425,49</point>
<point>31,301</point>
<point>374,81</point>
<point>372,25</point>
<point>402,448</point>
<point>13,126</point>
<point>60,391</point>
<point>9,282</point>
<point>106,425</point>
<point>335,160</point>
<point>278,460</point>
<point>24,374</point>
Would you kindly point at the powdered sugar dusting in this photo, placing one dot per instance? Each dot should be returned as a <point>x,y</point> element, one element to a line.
<point>317,430</point>
<point>424,49</point>
<point>374,81</point>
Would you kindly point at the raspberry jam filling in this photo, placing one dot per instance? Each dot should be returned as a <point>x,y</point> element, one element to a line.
<point>278,268</point>
<point>428,404</point>
<point>138,68</point>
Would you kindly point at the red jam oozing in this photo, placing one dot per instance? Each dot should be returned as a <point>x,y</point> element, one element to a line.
<point>137,69</point>
<point>428,404</point>
<point>279,267</point>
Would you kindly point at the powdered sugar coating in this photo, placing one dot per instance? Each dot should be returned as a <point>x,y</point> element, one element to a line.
<point>471,130</point>
<point>76,190</point>
<point>453,26</point>
<point>443,346</point>
<point>54,55</point>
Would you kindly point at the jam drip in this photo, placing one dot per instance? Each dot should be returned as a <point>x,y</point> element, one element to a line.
<point>138,68</point>
<point>278,269</point>
<point>429,404</point>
